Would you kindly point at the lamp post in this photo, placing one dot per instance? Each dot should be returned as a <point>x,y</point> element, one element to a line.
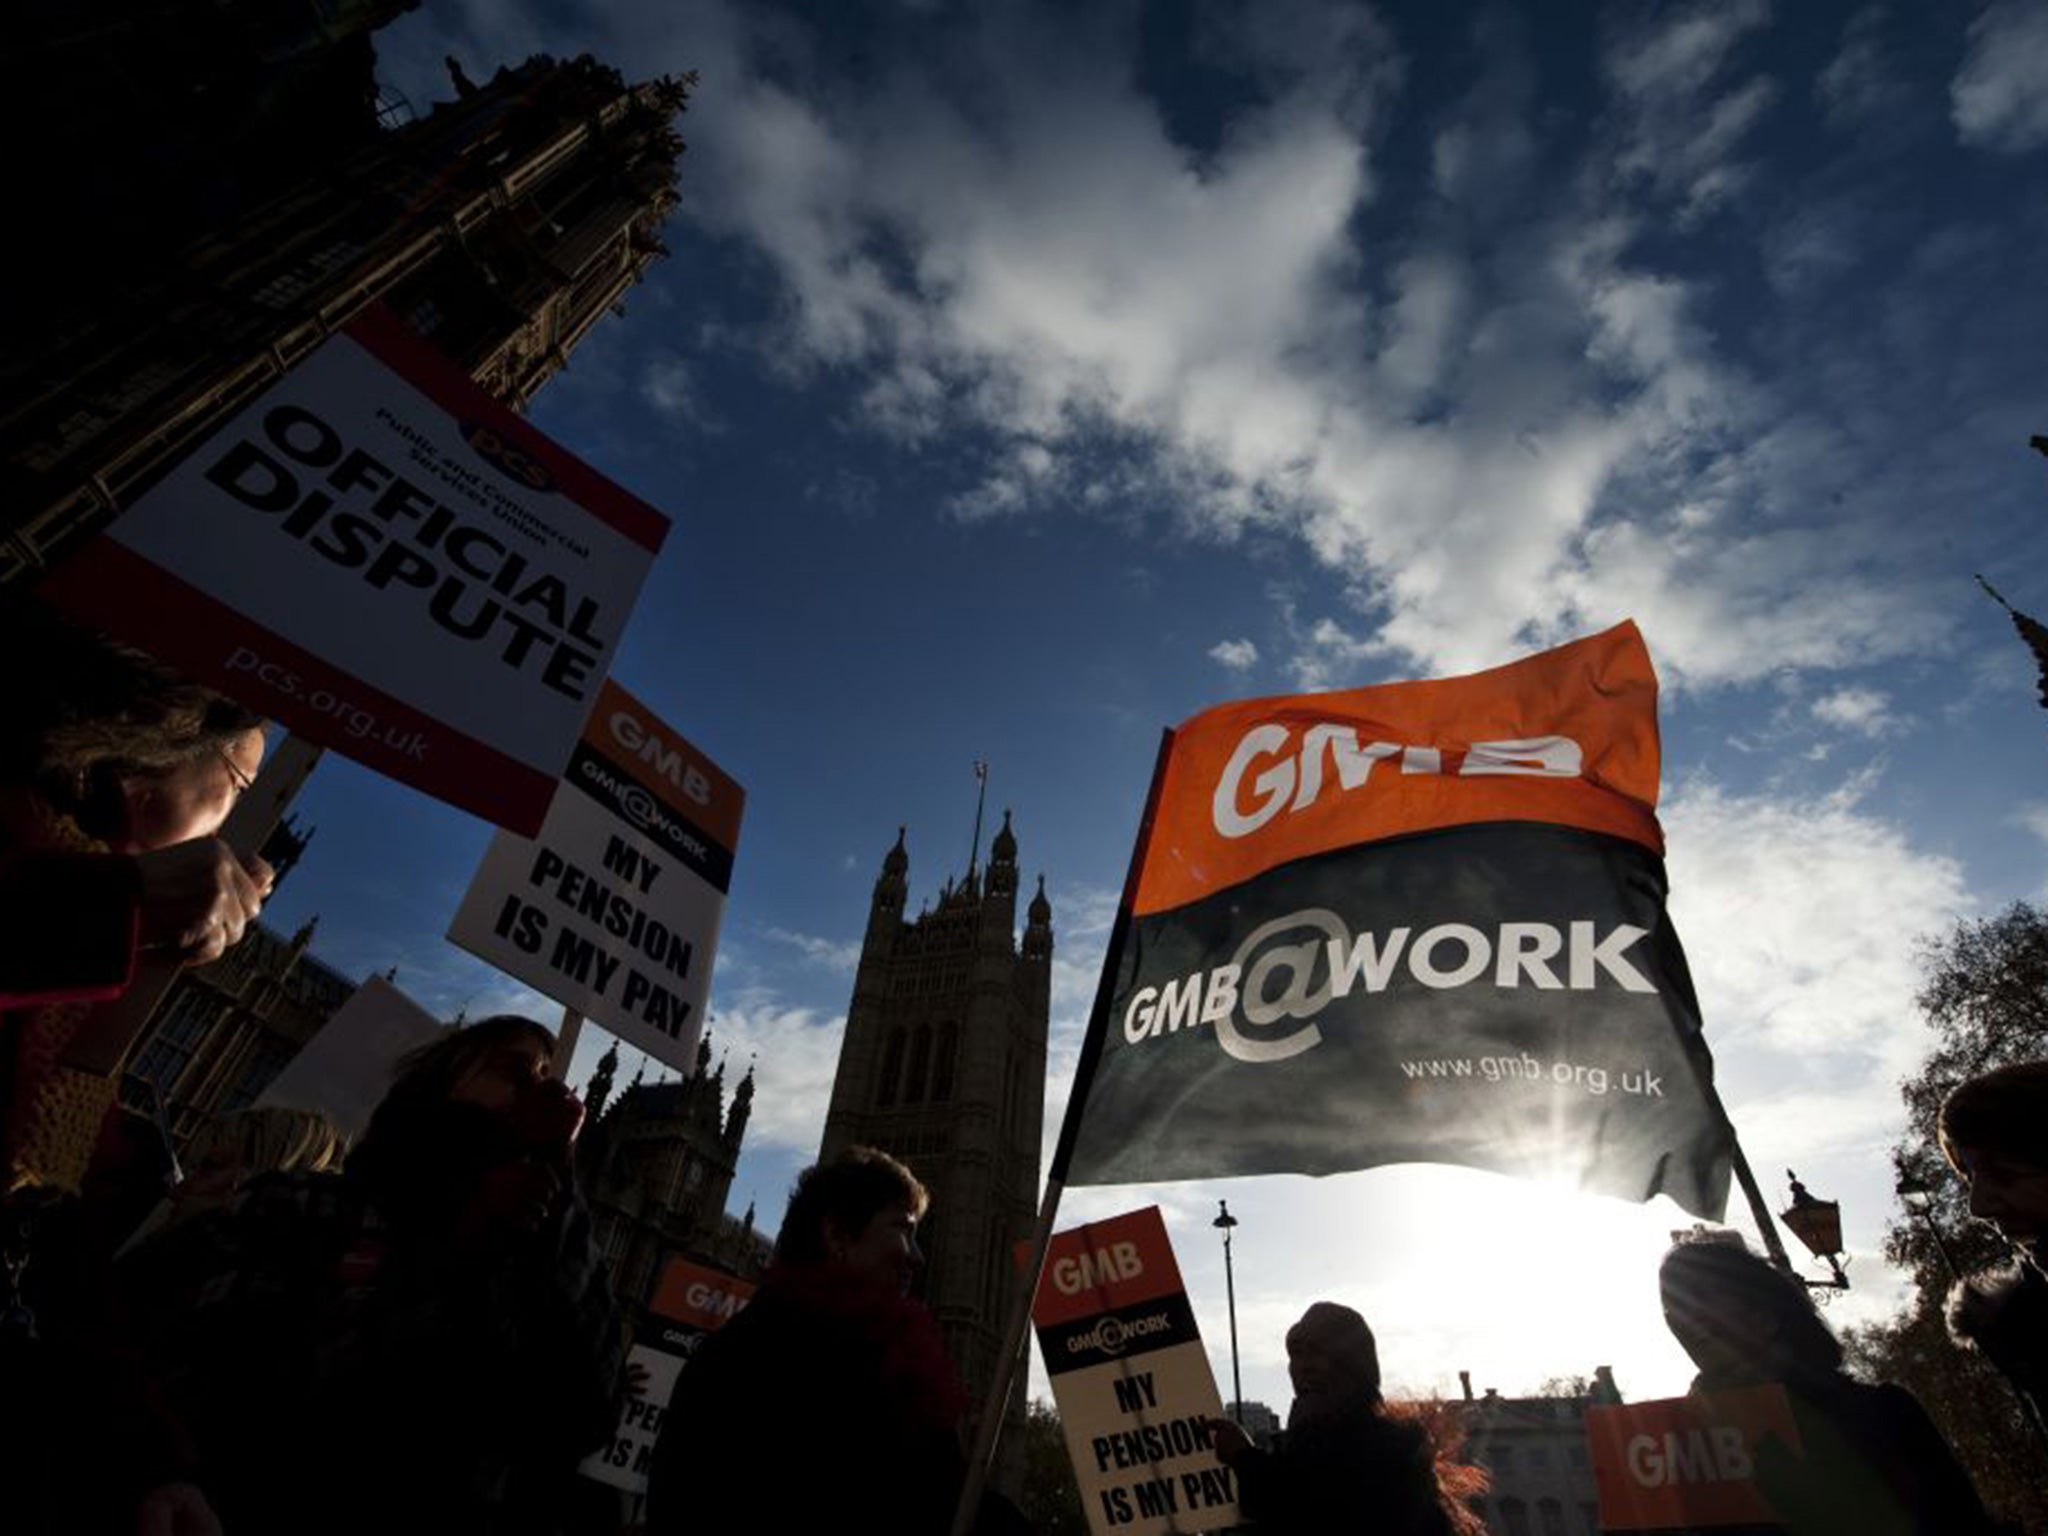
<point>1817,1224</point>
<point>1918,1199</point>
<point>1224,1222</point>
<point>1917,1196</point>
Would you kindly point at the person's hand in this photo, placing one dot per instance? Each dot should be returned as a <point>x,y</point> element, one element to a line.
<point>1228,1440</point>
<point>175,1509</point>
<point>198,896</point>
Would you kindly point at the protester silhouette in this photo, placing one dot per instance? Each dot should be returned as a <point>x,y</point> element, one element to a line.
<point>1869,1462</point>
<point>383,1349</point>
<point>1345,1463</point>
<point>1994,1131</point>
<point>828,1403</point>
<point>115,776</point>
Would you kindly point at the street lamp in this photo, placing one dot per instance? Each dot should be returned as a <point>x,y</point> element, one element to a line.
<point>1223,1223</point>
<point>1817,1224</point>
<point>1917,1196</point>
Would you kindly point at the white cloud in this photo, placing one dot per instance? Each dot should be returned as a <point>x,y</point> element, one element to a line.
<point>1798,913</point>
<point>2035,819</point>
<point>1997,99</point>
<point>1681,127</point>
<point>1425,327</point>
<point>1715,607</point>
<point>1799,917</point>
<point>1084,911</point>
<point>1680,48</point>
<point>1860,85</point>
<point>1026,476</point>
<point>1499,441</point>
<point>796,1056</point>
<point>1809,248</point>
<point>670,389</point>
<point>832,954</point>
<point>1481,161</point>
<point>1236,655</point>
<point>1082,917</point>
<point>1864,710</point>
<point>1330,656</point>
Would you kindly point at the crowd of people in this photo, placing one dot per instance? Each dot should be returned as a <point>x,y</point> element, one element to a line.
<point>416,1333</point>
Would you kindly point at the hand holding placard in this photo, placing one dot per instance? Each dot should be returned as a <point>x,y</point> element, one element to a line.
<point>198,896</point>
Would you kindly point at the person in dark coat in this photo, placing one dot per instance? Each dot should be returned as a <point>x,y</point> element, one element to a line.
<point>383,1349</point>
<point>828,1403</point>
<point>1344,1465</point>
<point>1994,1131</point>
<point>1869,1462</point>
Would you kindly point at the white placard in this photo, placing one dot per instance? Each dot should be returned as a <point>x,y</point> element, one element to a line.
<point>613,908</point>
<point>381,557</point>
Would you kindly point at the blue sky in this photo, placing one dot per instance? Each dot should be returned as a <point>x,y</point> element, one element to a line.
<point>1027,377</point>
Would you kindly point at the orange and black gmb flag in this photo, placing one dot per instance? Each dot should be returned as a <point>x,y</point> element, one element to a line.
<point>1416,923</point>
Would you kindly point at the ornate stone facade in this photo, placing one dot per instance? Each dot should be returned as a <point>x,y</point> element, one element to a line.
<point>1535,1452</point>
<point>657,1164</point>
<point>225,1029</point>
<point>502,227</point>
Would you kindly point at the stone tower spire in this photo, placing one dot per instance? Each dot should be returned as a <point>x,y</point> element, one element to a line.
<point>1038,927</point>
<point>742,1110</point>
<point>1002,861</point>
<point>943,1065</point>
<point>599,1091</point>
<point>892,887</point>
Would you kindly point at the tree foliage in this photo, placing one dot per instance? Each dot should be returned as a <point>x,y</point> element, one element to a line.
<point>1049,1496</point>
<point>1984,996</point>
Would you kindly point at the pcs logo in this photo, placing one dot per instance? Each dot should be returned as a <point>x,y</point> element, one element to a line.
<point>508,458</point>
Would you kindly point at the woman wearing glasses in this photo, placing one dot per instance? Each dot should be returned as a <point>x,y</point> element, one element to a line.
<point>115,777</point>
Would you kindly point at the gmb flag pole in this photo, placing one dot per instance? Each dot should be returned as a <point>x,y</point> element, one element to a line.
<point>1421,922</point>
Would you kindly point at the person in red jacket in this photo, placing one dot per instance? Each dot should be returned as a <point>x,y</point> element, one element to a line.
<point>829,1402</point>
